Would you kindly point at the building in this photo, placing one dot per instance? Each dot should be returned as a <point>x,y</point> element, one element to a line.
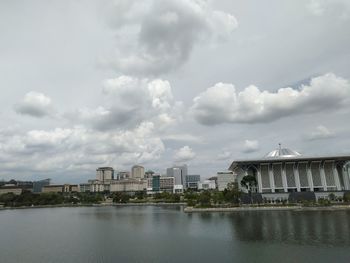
<point>104,173</point>
<point>123,175</point>
<point>192,181</point>
<point>128,185</point>
<point>6,189</point>
<point>179,173</point>
<point>52,189</point>
<point>162,184</point>
<point>224,178</point>
<point>38,185</point>
<point>84,188</point>
<point>61,188</point>
<point>137,172</point>
<point>207,185</point>
<point>283,173</point>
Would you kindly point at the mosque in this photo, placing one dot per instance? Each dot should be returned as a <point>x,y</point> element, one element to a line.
<point>284,172</point>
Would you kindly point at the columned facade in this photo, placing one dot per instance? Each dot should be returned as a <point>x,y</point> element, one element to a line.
<point>296,173</point>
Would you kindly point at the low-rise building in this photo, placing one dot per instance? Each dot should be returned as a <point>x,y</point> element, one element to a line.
<point>224,178</point>
<point>128,185</point>
<point>10,189</point>
<point>60,188</point>
<point>192,181</point>
<point>38,185</point>
<point>207,185</point>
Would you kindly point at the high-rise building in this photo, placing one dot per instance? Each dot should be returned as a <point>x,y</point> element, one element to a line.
<point>179,173</point>
<point>192,181</point>
<point>123,175</point>
<point>137,172</point>
<point>104,173</point>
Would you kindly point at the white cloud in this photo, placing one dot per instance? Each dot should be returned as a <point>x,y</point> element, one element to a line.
<point>156,36</point>
<point>223,104</point>
<point>321,132</point>
<point>78,149</point>
<point>250,146</point>
<point>34,104</point>
<point>130,101</point>
<point>340,9</point>
<point>184,154</point>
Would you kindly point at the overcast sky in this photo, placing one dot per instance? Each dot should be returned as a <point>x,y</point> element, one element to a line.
<point>162,82</point>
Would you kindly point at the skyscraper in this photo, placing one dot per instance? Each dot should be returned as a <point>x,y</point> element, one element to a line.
<point>179,173</point>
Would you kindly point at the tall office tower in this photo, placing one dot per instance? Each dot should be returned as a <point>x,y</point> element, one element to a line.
<point>104,173</point>
<point>138,172</point>
<point>179,173</point>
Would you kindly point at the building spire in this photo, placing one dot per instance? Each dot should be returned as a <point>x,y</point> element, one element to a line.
<point>280,148</point>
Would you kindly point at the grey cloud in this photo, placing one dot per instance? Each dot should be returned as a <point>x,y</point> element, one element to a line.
<point>321,132</point>
<point>222,104</point>
<point>34,104</point>
<point>165,33</point>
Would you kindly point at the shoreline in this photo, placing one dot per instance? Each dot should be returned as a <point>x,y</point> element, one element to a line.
<point>265,208</point>
<point>92,205</point>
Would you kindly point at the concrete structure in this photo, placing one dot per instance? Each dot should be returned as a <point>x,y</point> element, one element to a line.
<point>207,185</point>
<point>128,185</point>
<point>38,185</point>
<point>84,188</point>
<point>123,175</point>
<point>179,173</point>
<point>62,188</point>
<point>6,189</point>
<point>137,172</point>
<point>52,189</point>
<point>162,184</point>
<point>192,181</point>
<point>224,178</point>
<point>104,173</point>
<point>285,171</point>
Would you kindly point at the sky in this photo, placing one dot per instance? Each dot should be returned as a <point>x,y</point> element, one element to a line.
<point>158,83</point>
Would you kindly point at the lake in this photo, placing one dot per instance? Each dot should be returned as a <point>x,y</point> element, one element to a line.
<point>167,234</point>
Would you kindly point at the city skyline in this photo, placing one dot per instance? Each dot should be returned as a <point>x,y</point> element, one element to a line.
<point>93,85</point>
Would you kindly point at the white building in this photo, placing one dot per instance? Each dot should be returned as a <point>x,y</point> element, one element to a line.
<point>284,171</point>
<point>137,172</point>
<point>207,185</point>
<point>104,173</point>
<point>179,173</point>
<point>224,178</point>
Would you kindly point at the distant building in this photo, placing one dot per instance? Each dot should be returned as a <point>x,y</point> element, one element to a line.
<point>128,185</point>
<point>105,173</point>
<point>6,189</point>
<point>224,178</point>
<point>62,188</point>
<point>123,175</point>
<point>207,185</point>
<point>38,185</point>
<point>162,184</point>
<point>285,174</point>
<point>192,181</point>
<point>137,172</point>
<point>179,173</point>
<point>84,188</point>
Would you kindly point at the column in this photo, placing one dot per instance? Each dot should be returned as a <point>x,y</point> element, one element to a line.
<point>259,180</point>
<point>296,176</point>
<point>323,176</point>
<point>336,178</point>
<point>284,178</point>
<point>309,177</point>
<point>272,180</point>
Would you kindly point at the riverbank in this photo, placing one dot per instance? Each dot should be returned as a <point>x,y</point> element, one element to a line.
<point>264,208</point>
<point>94,205</point>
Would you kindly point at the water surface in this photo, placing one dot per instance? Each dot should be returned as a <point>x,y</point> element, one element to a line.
<point>166,234</point>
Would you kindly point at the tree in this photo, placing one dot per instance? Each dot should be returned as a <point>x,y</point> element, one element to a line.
<point>249,182</point>
<point>205,199</point>
<point>232,194</point>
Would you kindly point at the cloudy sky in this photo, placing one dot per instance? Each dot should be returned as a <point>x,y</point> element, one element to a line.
<point>162,82</point>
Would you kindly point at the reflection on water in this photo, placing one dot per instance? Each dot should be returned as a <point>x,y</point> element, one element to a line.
<point>304,228</point>
<point>167,234</point>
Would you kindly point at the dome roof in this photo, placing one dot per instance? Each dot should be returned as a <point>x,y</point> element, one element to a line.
<point>282,153</point>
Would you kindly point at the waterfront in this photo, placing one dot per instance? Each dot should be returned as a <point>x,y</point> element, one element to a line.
<point>166,234</point>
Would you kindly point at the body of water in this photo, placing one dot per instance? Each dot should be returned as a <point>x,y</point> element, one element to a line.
<point>166,234</point>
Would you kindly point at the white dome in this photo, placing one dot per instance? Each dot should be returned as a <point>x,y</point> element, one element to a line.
<point>282,153</point>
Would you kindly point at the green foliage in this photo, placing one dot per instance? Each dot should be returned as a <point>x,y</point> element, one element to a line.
<point>37,199</point>
<point>204,199</point>
<point>346,197</point>
<point>120,197</point>
<point>248,182</point>
<point>331,197</point>
<point>232,193</point>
